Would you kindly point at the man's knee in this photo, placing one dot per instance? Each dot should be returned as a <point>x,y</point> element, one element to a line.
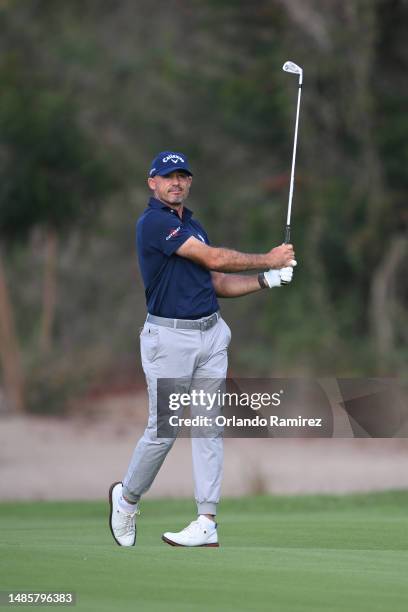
<point>150,437</point>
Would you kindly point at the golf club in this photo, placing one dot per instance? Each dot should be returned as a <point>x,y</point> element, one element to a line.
<point>294,69</point>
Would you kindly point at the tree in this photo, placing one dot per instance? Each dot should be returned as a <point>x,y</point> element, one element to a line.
<point>51,177</point>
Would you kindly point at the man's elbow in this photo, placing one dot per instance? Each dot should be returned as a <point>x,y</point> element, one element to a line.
<point>218,279</point>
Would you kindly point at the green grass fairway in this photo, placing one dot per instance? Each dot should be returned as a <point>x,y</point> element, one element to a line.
<point>286,554</point>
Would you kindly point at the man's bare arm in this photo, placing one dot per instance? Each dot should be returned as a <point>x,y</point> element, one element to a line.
<point>228,260</point>
<point>234,285</point>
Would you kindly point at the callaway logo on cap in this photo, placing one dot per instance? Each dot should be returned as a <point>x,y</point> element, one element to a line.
<point>167,162</point>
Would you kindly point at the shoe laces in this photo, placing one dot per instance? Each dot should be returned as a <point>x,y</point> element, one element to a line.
<point>128,521</point>
<point>192,528</point>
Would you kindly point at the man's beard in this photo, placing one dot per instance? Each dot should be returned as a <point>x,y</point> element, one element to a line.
<point>177,202</point>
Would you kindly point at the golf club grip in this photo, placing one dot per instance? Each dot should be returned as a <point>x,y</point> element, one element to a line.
<point>287,234</point>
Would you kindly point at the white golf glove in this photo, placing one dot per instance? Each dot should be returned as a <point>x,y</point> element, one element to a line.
<point>276,278</point>
<point>286,275</point>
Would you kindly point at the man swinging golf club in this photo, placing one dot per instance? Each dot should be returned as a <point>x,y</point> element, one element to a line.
<point>184,335</point>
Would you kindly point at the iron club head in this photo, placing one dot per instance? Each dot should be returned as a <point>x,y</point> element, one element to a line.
<point>294,69</point>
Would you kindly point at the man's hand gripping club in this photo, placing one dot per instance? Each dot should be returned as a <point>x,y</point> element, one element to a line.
<point>283,276</point>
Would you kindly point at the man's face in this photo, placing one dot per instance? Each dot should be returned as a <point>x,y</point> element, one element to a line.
<point>171,189</point>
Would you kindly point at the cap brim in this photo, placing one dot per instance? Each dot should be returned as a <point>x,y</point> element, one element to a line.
<point>166,171</point>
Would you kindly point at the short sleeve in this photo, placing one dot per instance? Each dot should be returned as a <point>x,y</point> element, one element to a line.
<point>167,232</point>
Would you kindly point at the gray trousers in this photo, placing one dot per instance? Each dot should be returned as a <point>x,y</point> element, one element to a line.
<point>188,354</point>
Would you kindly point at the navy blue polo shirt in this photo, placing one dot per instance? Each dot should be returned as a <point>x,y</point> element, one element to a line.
<point>175,286</point>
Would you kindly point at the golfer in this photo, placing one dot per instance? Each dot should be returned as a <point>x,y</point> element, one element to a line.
<point>184,336</point>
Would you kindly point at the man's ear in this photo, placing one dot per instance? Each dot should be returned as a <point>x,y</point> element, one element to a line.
<point>152,183</point>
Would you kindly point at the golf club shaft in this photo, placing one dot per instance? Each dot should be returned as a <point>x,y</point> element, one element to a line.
<point>292,175</point>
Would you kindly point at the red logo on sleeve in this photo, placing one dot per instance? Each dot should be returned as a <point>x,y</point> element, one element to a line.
<point>173,232</point>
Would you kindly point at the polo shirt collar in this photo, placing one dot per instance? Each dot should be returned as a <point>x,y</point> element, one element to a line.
<point>155,203</point>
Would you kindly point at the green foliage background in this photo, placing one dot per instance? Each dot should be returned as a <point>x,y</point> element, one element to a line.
<point>112,83</point>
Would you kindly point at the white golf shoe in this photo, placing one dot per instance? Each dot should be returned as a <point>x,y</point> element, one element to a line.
<point>202,532</point>
<point>122,524</point>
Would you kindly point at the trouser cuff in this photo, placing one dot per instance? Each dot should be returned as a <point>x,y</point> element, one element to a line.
<point>129,495</point>
<point>207,508</point>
